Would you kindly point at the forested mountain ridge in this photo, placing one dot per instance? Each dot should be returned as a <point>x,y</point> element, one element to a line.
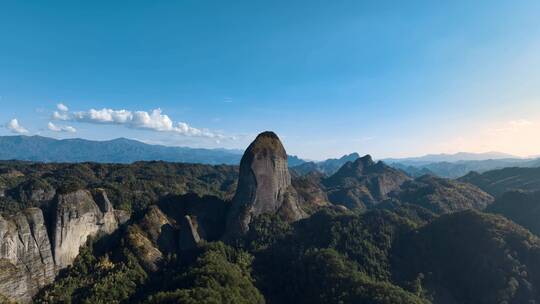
<point>183,233</point>
<point>498,182</point>
<point>460,168</point>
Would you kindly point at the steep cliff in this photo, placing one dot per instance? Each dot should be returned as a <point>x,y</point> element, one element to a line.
<point>26,262</point>
<point>78,217</point>
<point>190,233</point>
<point>30,258</point>
<point>264,185</point>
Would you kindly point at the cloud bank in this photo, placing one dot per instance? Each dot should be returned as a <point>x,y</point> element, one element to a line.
<point>154,120</point>
<point>55,128</point>
<point>14,126</point>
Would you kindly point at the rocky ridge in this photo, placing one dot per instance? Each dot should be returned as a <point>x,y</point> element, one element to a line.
<point>31,254</point>
<point>363,183</point>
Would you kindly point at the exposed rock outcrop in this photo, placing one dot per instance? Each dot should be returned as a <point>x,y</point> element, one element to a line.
<point>363,183</point>
<point>151,238</point>
<point>143,247</point>
<point>78,217</point>
<point>311,191</point>
<point>30,257</point>
<point>190,233</point>
<point>159,229</point>
<point>26,262</point>
<point>264,185</point>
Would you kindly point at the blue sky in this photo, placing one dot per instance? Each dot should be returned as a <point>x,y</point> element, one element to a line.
<point>389,78</point>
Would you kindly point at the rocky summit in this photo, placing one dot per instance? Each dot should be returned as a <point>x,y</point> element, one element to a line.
<point>264,185</point>
<point>363,183</point>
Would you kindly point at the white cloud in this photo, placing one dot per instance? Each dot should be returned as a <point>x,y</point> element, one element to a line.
<point>154,120</point>
<point>60,115</point>
<point>62,107</point>
<point>56,128</point>
<point>14,126</point>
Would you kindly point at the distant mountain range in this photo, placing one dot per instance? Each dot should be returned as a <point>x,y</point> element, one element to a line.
<point>442,165</point>
<point>460,156</point>
<point>121,150</point>
<point>326,167</point>
<point>459,164</point>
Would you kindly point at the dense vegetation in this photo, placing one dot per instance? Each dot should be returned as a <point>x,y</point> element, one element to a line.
<point>94,279</point>
<point>470,257</point>
<point>334,256</point>
<point>441,195</point>
<point>129,187</point>
<point>521,207</point>
<point>416,246</point>
<point>274,263</point>
<point>498,182</point>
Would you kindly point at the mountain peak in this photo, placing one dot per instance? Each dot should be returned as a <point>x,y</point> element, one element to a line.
<point>264,185</point>
<point>357,167</point>
<point>268,134</point>
<point>350,157</point>
<point>266,143</point>
<point>363,183</point>
<point>366,160</point>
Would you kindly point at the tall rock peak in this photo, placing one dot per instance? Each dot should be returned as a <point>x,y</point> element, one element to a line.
<point>366,160</point>
<point>264,185</point>
<point>356,168</point>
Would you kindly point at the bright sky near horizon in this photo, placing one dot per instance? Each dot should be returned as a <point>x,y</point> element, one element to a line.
<point>389,78</point>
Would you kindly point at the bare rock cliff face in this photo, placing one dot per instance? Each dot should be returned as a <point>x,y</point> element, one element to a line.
<point>264,185</point>
<point>30,258</point>
<point>190,233</point>
<point>152,237</point>
<point>26,262</point>
<point>78,217</point>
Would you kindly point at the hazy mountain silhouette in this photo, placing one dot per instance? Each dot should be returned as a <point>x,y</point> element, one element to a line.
<point>121,150</point>
<point>460,156</point>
